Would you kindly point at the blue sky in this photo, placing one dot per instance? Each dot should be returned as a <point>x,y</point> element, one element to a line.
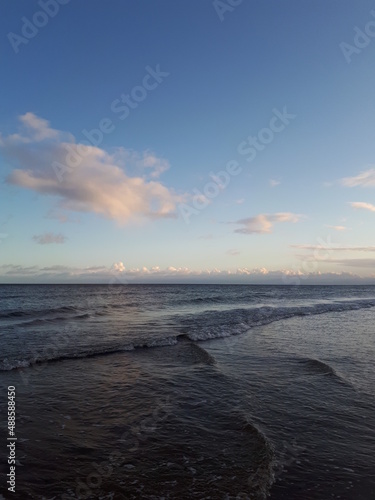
<point>178,87</point>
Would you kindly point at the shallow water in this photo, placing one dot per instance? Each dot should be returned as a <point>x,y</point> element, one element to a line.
<point>247,392</point>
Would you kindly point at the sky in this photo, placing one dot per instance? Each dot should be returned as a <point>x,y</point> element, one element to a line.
<point>208,141</point>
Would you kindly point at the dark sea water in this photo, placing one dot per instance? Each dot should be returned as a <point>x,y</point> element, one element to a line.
<point>189,391</point>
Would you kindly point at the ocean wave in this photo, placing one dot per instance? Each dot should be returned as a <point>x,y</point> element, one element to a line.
<point>262,476</point>
<point>317,366</point>
<point>14,364</point>
<point>205,300</point>
<point>159,342</point>
<point>200,354</point>
<point>43,321</point>
<point>20,313</point>
<point>217,324</point>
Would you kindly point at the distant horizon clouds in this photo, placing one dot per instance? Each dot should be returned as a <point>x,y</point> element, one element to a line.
<point>119,274</point>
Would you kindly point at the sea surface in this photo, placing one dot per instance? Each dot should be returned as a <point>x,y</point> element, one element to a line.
<point>189,391</point>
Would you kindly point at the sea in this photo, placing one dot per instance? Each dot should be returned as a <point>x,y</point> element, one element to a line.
<point>188,392</point>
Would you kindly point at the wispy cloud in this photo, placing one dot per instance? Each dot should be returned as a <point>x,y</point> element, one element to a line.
<point>49,238</point>
<point>338,228</point>
<point>360,205</point>
<point>274,182</point>
<point>86,178</point>
<point>263,223</point>
<point>233,251</point>
<point>364,179</point>
<point>367,263</point>
<point>335,248</point>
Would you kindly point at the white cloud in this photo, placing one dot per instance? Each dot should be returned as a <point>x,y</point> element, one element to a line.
<point>48,238</point>
<point>362,206</point>
<point>87,178</point>
<point>263,223</point>
<point>119,266</point>
<point>364,179</point>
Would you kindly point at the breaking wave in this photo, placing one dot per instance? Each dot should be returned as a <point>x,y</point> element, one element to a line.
<point>202,326</point>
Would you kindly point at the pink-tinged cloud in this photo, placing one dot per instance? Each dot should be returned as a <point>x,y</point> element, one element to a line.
<point>120,274</point>
<point>360,205</point>
<point>87,178</point>
<point>364,179</point>
<point>263,223</point>
<point>338,228</point>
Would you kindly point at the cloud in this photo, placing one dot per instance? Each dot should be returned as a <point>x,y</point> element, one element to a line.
<point>38,128</point>
<point>233,251</point>
<point>86,178</point>
<point>362,206</point>
<point>338,228</point>
<point>274,182</point>
<point>119,274</point>
<point>119,266</point>
<point>158,166</point>
<point>13,270</point>
<point>335,248</point>
<point>56,268</point>
<point>367,263</point>
<point>263,223</point>
<point>33,129</point>
<point>364,179</point>
<point>48,238</point>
